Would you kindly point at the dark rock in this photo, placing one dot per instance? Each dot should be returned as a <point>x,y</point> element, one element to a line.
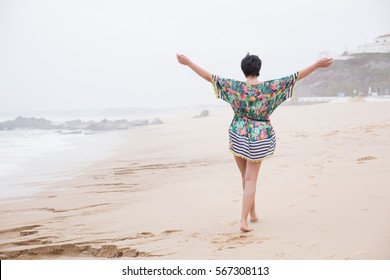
<point>139,122</point>
<point>102,125</point>
<point>115,125</point>
<point>26,123</point>
<point>120,124</point>
<point>156,121</point>
<point>203,114</point>
<point>75,126</point>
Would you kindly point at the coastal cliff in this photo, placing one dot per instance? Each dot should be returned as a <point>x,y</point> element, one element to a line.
<point>357,74</point>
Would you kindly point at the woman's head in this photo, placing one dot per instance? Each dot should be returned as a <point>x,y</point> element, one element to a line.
<point>251,65</point>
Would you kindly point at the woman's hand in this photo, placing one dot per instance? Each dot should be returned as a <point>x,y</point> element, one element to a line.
<point>182,59</point>
<point>324,62</point>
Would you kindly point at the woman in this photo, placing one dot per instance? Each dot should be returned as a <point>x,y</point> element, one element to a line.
<point>251,136</point>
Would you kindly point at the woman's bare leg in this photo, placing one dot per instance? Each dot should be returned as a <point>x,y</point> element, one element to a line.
<point>241,163</point>
<point>251,173</point>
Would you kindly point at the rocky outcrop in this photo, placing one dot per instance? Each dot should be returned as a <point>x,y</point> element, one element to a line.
<point>156,121</point>
<point>203,114</point>
<point>351,77</point>
<point>116,125</point>
<point>108,125</point>
<point>74,125</point>
<point>26,123</point>
<point>139,122</point>
<point>77,124</point>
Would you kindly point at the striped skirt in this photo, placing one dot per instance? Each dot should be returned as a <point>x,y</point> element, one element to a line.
<point>251,150</point>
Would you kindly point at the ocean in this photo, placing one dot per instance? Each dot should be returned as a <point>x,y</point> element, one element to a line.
<point>33,159</point>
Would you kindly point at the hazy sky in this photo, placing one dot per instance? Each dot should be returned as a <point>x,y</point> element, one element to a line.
<point>87,54</point>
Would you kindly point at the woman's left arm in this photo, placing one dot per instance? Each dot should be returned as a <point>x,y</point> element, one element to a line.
<point>325,62</point>
<point>182,59</point>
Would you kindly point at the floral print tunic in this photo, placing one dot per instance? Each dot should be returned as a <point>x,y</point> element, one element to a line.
<point>251,135</point>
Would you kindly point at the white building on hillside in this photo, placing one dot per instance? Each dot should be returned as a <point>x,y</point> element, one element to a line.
<point>380,44</point>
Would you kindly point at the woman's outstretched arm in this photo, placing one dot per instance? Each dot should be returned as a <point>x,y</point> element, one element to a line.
<point>198,70</point>
<point>325,62</point>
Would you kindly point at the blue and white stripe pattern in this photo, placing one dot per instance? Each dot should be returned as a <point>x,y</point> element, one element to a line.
<point>241,146</point>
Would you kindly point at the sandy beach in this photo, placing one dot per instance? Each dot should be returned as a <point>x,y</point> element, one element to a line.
<point>174,192</point>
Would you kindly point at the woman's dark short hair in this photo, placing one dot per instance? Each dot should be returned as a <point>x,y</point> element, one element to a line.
<point>251,65</point>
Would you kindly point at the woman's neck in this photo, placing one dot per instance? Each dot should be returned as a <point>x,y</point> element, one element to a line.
<point>252,80</point>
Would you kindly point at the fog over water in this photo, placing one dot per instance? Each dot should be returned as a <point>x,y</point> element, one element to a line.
<point>95,54</point>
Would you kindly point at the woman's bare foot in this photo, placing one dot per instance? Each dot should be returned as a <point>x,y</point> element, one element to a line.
<point>254,218</point>
<point>244,227</point>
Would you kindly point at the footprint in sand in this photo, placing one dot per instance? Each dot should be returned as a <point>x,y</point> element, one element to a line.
<point>170,231</point>
<point>331,133</point>
<point>280,255</point>
<point>364,159</point>
<point>37,241</point>
<point>233,223</point>
<point>144,234</point>
<point>318,166</point>
<point>15,232</point>
<point>231,240</point>
<point>28,232</point>
<point>195,234</point>
<point>301,135</point>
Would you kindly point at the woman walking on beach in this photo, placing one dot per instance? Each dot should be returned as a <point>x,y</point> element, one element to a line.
<point>251,136</point>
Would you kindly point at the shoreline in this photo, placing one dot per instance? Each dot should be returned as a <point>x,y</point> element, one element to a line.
<point>46,164</point>
<point>173,192</point>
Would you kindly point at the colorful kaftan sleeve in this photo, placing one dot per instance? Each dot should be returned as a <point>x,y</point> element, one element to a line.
<point>282,89</point>
<point>223,88</point>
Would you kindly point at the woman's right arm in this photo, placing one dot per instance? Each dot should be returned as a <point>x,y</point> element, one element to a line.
<point>182,59</point>
<point>325,62</point>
